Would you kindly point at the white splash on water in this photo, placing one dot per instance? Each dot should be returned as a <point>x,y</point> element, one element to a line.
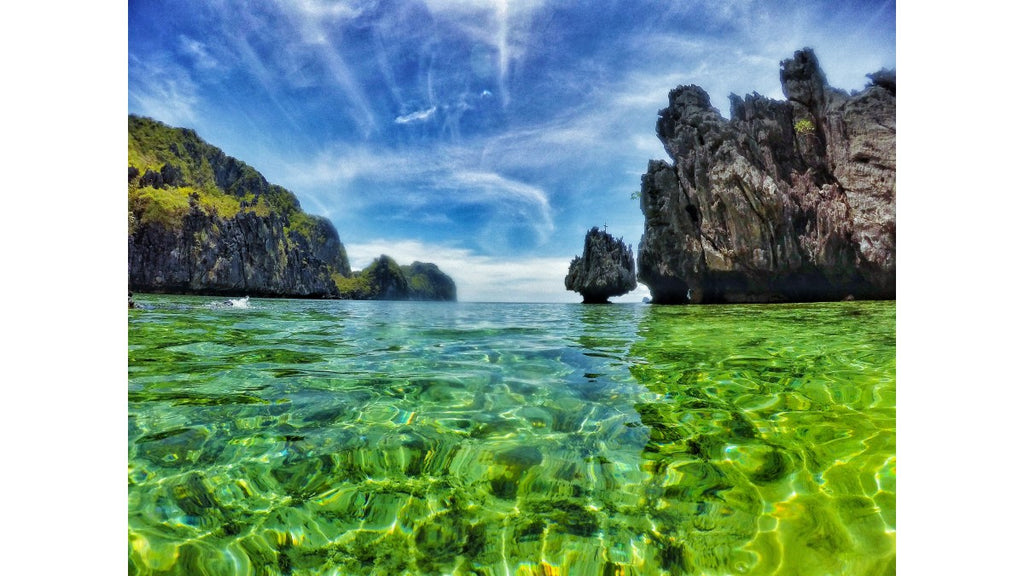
<point>230,303</point>
<point>238,302</point>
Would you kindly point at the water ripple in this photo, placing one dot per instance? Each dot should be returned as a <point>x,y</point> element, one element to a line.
<point>300,437</point>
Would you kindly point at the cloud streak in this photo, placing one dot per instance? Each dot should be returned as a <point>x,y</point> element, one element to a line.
<point>199,53</point>
<point>162,89</point>
<point>417,116</point>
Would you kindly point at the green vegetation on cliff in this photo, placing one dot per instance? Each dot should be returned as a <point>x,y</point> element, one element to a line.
<point>167,164</point>
<point>381,280</point>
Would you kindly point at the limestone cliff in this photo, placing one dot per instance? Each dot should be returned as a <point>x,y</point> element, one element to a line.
<point>788,201</point>
<point>245,254</point>
<point>202,222</point>
<point>606,268</point>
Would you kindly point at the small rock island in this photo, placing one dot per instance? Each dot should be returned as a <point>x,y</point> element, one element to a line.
<point>606,269</point>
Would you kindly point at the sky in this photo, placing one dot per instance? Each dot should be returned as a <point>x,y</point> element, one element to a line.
<point>486,136</point>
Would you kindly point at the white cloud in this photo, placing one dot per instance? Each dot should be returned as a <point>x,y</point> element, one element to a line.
<point>417,116</point>
<point>164,91</point>
<point>504,25</point>
<point>315,22</point>
<point>472,6</point>
<point>198,51</point>
<point>288,45</point>
<point>324,10</point>
<point>490,188</point>
<point>338,166</point>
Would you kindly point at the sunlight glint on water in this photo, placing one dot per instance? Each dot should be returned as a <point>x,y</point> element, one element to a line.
<point>329,437</point>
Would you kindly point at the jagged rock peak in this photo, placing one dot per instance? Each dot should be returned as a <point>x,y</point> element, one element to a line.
<point>606,269</point>
<point>802,79</point>
<point>885,78</point>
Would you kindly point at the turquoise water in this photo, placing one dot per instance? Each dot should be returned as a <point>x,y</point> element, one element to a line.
<point>332,437</point>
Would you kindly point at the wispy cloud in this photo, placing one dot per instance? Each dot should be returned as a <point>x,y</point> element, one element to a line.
<point>162,89</point>
<point>491,187</point>
<point>285,47</point>
<point>417,116</point>
<point>503,25</point>
<point>198,52</point>
<point>324,10</point>
<point>317,24</point>
<point>441,181</point>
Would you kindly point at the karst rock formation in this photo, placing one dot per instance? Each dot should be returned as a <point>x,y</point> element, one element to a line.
<point>606,268</point>
<point>789,200</point>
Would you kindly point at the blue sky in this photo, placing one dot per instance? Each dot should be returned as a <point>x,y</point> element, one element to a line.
<point>486,136</point>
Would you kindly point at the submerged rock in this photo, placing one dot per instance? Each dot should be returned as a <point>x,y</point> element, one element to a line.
<point>788,201</point>
<point>606,269</point>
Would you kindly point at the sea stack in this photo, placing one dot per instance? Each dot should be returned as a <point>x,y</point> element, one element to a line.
<point>789,200</point>
<point>606,269</point>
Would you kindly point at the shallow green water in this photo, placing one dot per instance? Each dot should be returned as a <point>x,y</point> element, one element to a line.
<point>327,437</point>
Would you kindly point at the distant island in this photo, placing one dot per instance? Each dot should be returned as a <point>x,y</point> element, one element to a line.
<point>202,222</point>
<point>787,201</point>
<point>385,279</point>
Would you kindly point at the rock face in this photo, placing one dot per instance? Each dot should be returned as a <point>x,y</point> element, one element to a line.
<point>206,223</point>
<point>247,254</point>
<point>787,201</point>
<point>606,268</point>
